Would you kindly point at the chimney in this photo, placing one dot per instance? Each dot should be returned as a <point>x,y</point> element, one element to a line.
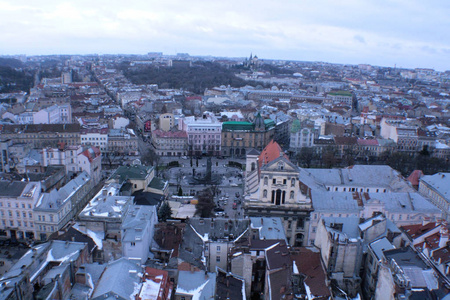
<point>425,221</point>
<point>443,239</point>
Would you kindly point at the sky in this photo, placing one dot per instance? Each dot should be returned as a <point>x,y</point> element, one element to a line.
<point>402,33</point>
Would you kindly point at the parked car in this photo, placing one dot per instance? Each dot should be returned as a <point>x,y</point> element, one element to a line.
<point>234,205</point>
<point>220,214</point>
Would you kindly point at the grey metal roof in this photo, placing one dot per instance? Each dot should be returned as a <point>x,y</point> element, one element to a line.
<point>52,201</point>
<point>440,182</point>
<point>401,202</point>
<point>349,225</point>
<point>338,201</point>
<point>107,203</point>
<point>196,283</point>
<point>269,228</point>
<point>136,220</point>
<point>119,278</point>
<point>12,189</point>
<point>381,245</point>
<point>362,176</point>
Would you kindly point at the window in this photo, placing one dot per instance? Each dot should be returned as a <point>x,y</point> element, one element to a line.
<point>293,182</point>
<point>284,181</point>
<point>218,248</point>
<point>314,228</point>
<point>265,180</point>
<point>133,244</point>
<point>217,258</point>
<point>265,193</point>
<point>274,181</point>
<point>291,196</point>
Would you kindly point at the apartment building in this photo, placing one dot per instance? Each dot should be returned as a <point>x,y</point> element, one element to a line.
<point>17,201</point>
<point>170,143</point>
<point>42,135</point>
<point>204,134</point>
<point>238,137</point>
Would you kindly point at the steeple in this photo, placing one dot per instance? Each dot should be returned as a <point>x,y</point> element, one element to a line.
<point>259,122</point>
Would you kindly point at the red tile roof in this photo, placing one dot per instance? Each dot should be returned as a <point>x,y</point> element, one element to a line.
<point>442,254</point>
<point>308,263</point>
<point>417,230</point>
<point>169,134</point>
<point>415,176</point>
<point>270,153</point>
<point>367,142</point>
<point>91,153</point>
<point>433,241</point>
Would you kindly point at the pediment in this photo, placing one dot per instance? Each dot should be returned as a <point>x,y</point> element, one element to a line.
<point>280,164</point>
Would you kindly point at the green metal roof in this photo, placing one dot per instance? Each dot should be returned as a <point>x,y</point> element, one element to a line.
<point>157,184</point>
<point>296,126</point>
<point>341,93</point>
<point>131,172</point>
<point>235,125</point>
<point>269,123</point>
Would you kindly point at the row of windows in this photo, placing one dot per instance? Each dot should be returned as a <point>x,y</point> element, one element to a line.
<point>10,214</point>
<point>16,204</point>
<point>291,194</point>
<point>352,189</point>
<point>19,223</point>
<point>274,181</point>
<point>94,139</point>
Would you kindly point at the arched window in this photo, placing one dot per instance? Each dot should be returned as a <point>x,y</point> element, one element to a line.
<point>266,180</point>
<point>292,182</point>
<point>253,166</point>
<point>291,196</point>
<point>265,193</point>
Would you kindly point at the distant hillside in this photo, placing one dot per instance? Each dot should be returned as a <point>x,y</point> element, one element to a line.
<point>195,79</point>
<point>10,62</point>
<point>12,80</point>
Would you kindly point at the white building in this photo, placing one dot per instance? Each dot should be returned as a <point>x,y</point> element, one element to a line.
<point>204,134</point>
<point>437,188</point>
<point>95,137</point>
<point>75,159</point>
<point>53,210</point>
<point>17,201</point>
<point>137,232</point>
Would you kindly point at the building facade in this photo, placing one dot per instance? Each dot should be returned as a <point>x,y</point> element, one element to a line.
<point>238,137</point>
<point>204,134</point>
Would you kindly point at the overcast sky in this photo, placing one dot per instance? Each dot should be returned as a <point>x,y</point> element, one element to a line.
<point>406,33</point>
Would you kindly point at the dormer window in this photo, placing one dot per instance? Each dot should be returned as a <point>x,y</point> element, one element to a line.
<point>280,166</point>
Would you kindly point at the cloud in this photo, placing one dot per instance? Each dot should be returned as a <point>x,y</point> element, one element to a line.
<point>359,39</point>
<point>349,31</point>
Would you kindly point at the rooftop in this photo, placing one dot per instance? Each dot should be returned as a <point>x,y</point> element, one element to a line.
<point>440,182</point>
<point>197,284</point>
<point>119,278</point>
<point>136,172</point>
<point>268,228</point>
